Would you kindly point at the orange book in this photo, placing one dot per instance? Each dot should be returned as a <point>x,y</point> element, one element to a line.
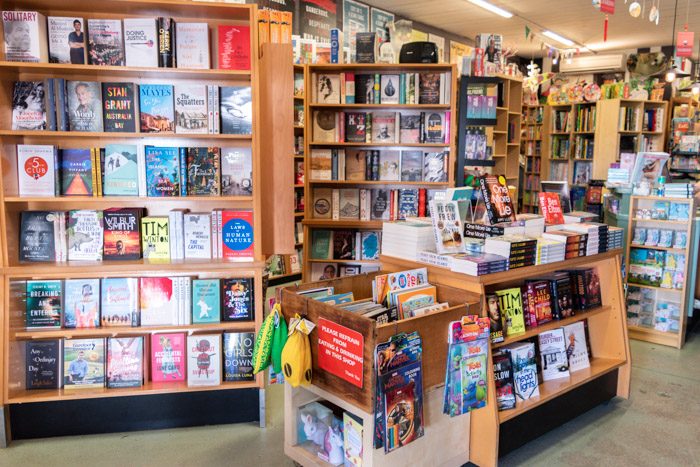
<point>275,26</point>
<point>413,299</point>
<point>263,26</point>
<point>286,27</point>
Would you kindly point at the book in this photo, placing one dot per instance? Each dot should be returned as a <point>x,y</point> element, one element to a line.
<point>553,357</point>
<point>497,200</point>
<point>321,164</point>
<point>352,440</point>
<point>349,203</point>
<point>233,47</point>
<point>120,302</point>
<point>524,363</point>
<point>576,348</point>
<point>118,109</point>
<point>447,226</point>
<point>238,299</point>
<point>83,363</point>
<point>237,237</point>
<point>411,166</point>
<point>494,315</point>
<point>236,103</point>
<point>191,112</point>
<point>550,207</point>
<point>158,301</point>
<point>355,127</point>
<point>125,362</point>
<point>204,360</point>
<point>85,235</point>
<point>325,127</point>
<point>238,356</point>
<point>197,235</point>
<point>366,47</point>
<point>355,165</point>
<point>39,236</point>
<point>44,304</point>
<point>76,172</point>
<point>328,88</point>
<point>192,45</point>
<point>370,246</point>
<point>344,244</point>
<point>511,307</point>
<point>389,88</point>
<point>321,241</point>
<point>166,42</point>
<point>105,42</point>
<point>29,104</point>
<point>122,233</point>
<point>503,378</point>
<point>542,301</point>
<point>156,108</point>
<point>168,357</point>
<point>206,301</point>
<point>203,171</point>
<point>141,42</point>
<point>236,172</point>
<point>384,127</point>
<point>410,127</point>
<point>380,207</point>
<point>163,171</point>
<point>25,36</point>
<point>43,364</point>
<point>121,171</point>
<point>322,203</point>
<point>84,105</point>
<point>389,164</point>
<point>435,127</point>
<point>36,170</point>
<point>155,237</point>
<point>435,167</point>
<point>429,88</point>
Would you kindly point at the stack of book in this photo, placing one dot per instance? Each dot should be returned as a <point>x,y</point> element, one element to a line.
<point>478,264</point>
<point>575,242</point>
<point>592,232</point>
<point>678,190</point>
<point>615,235</point>
<point>550,251</point>
<point>407,239</point>
<point>520,250</point>
<point>574,217</point>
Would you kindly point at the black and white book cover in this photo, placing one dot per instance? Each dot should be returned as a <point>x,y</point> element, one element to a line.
<point>38,235</point>
<point>29,106</point>
<point>191,109</point>
<point>66,40</point>
<point>236,110</point>
<point>84,105</point>
<point>105,42</point>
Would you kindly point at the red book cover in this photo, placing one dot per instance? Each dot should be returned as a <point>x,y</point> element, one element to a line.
<point>421,202</point>
<point>233,47</point>
<point>543,302</point>
<point>237,235</point>
<point>168,357</point>
<point>392,195</point>
<point>550,207</point>
<point>529,305</point>
<point>594,195</point>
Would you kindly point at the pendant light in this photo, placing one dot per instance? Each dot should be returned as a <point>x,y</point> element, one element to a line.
<point>673,72</point>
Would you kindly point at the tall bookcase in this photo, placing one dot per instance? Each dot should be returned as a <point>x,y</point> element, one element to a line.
<point>310,223</point>
<point>531,148</point>
<point>11,204</point>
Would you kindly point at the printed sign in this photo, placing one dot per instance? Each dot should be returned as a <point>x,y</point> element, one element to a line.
<point>340,351</point>
<point>607,6</point>
<point>684,43</point>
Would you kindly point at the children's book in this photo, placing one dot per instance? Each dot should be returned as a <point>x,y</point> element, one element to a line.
<point>168,357</point>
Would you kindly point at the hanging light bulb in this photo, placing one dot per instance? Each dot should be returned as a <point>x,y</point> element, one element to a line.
<point>670,75</point>
<point>555,60</point>
<point>695,89</point>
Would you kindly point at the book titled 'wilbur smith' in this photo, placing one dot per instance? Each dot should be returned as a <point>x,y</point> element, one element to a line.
<point>156,108</point>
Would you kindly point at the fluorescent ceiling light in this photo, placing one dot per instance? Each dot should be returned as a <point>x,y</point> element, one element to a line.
<point>558,38</point>
<point>492,8</point>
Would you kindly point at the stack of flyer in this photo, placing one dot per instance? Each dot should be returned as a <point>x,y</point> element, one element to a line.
<point>615,236</point>
<point>406,239</point>
<point>550,251</point>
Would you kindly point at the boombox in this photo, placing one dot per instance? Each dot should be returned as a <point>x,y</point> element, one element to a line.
<point>419,52</point>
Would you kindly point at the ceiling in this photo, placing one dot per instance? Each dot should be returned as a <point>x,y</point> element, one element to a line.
<point>574,19</point>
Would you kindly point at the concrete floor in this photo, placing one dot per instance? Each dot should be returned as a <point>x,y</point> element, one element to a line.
<point>657,426</point>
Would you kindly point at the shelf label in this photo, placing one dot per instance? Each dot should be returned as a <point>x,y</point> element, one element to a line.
<point>340,351</point>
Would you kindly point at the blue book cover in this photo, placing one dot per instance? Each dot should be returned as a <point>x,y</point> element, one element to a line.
<point>336,46</point>
<point>162,171</point>
<point>82,303</point>
<point>238,356</point>
<point>370,245</point>
<point>408,203</point>
<point>76,172</point>
<point>156,108</point>
<point>121,170</point>
<point>206,301</point>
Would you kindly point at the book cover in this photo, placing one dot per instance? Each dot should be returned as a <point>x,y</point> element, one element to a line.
<point>355,127</point>
<point>592,284</point>
<point>510,305</point>
<point>321,244</point>
<point>389,164</point>
<point>120,302</point>
<point>370,245</point>
<point>84,105</point>
<point>204,360</point>
<point>365,47</point>
<point>576,348</point>
<point>158,301</point>
<point>192,45</point>
<point>524,363</point>
<point>434,127</point>
<point>206,301</point>
<point>105,42</point>
<point>343,244</point>
<point>503,377</point>
<point>233,47</point>
<point>76,172</point>
<point>168,357</point>
<point>122,233</point>
<point>389,87</point>
<point>384,127</point>
<point>44,304</point>
<point>29,100</point>
<point>325,127</point>
<point>125,362</point>
<point>411,166</point>
<point>238,356</point>
<point>410,127</point>
<point>85,235</point>
<point>328,88</point>
<point>429,88</point>
<point>321,164</point>
<point>203,171</point>
<point>497,200</point>
<point>155,237</point>
<point>407,203</point>
<point>156,108</point>
<point>352,440</point>
<point>236,108</point>
<point>25,36</point>
<point>355,164</point>
<point>542,293</point>
<point>380,204</point>
<point>191,112</point>
<point>237,235</point>
<point>39,235</point>
<point>118,109</point>
<point>43,364</point>
<point>349,206</point>
<point>121,171</point>
<point>197,230</point>
<point>323,203</point>
<point>238,299</point>
<point>82,303</point>
<point>83,363</point>
<point>36,170</point>
<point>141,42</point>
<point>236,172</point>
<point>550,207</point>
<point>553,357</point>
<point>435,167</point>
<point>163,171</point>
<point>494,315</point>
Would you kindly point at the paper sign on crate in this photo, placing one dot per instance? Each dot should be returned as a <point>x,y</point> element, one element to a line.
<point>340,351</point>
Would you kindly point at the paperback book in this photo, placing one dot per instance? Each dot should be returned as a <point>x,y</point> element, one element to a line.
<point>119,111</point>
<point>191,112</point>
<point>236,110</point>
<point>206,301</point>
<point>85,235</point>
<point>163,171</point>
<point>40,236</point>
<point>204,360</point>
<point>29,104</point>
<point>237,239</point>
<point>576,348</point>
<point>25,36</point>
<point>158,301</point>
<point>155,237</point>
<point>496,196</point>
<point>236,172</point>
<point>192,45</point>
<point>43,367</point>
<point>76,172</point>
<point>82,303</point>
<point>121,170</point>
<point>511,307</point>
<point>122,233</point>
<point>238,356</point>
<point>84,105</point>
<point>36,170</point>
<point>238,299</point>
<point>554,361</point>
<point>197,231</point>
<point>83,363</point>
<point>168,357</point>
<point>156,108</point>
<point>524,363</point>
<point>44,304</point>
<point>120,302</point>
<point>105,42</point>
<point>140,42</point>
<point>125,362</point>
<point>203,171</point>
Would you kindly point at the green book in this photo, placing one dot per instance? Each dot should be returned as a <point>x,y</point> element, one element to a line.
<point>121,171</point>
<point>206,301</point>
<point>510,304</point>
<point>321,244</point>
<point>44,304</point>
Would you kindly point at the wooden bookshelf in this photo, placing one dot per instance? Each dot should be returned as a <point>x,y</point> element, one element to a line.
<point>532,127</point>
<point>311,224</point>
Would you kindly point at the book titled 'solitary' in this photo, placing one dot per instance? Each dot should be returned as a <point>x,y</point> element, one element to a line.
<point>84,105</point>
<point>120,302</point>
<point>29,103</point>
<point>105,42</point>
<point>118,108</point>
<point>236,110</point>
<point>82,303</point>
<point>83,363</point>
<point>192,45</point>
<point>125,362</point>
<point>39,235</point>
<point>237,236</point>
<point>499,205</point>
<point>141,42</point>
<point>238,356</point>
<point>25,36</point>
<point>203,171</point>
<point>156,109</point>
<point>43,364</point>
<point>163,171</point>
<point>66,40</point>
<point>44,304</point>
<point>36,170</point>
<point>204,360</point>
<point>237,298</point>
<point>76,172</point>
<point>168,357</point>
<point>122,233</point>
<point>191,111</point>
<point>85,235</point>
<point>155,237</point>
<point>206,301</point>
<point>121,170</point>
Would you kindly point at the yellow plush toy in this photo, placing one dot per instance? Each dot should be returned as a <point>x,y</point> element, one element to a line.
<point>296,355</point>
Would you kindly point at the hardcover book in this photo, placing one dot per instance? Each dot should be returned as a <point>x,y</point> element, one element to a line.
<point>238,356</point>
<point>434,127</point>
<point>370,245</point>
<point>197,230</point>
<point>156,108</point>
<point>43,368</point>
<point>125,362</point>
<point>76,172</point>
<point>121,171</point>
<point>36,170</point>
<point>155,237</point>
<point>552,348</point>
<point>389,87</point>
<point>163,171</point>
<point>25,36</point>
<point>238,299</point>
<point>120,302</point>
<point>323,203</point>
<point>39,235</point>
<point>389,163</point>
<point>380,204</point>
<point>204,360</point>
<point>435,167</point>
<point>497,200</point>
<point>447,226</point>
<point>233,47</point>
<point>83,363</point>
<point>355,164</point>
<point>122,233</point>
<point>158,301</point>
<point>550,207</point>
<point>355,127</point>
<point>410,127</point>
<point>429,88</point>
<point>191,112</point>
<point>192,45</point>
<point>237,239</point>
<point>364,89</point>
<point>236,172</point>
<point>349,207</point>
<point>327,88</point>
<point>236,105</point>
<point>366,47</point>
<point>325,127</point>
<point>118,110</point>
<point>206,301</point>
<point>29,99</point>
<point>203,171</point>
<point>44,304</point>
<point>542,295</point>
<point>524,363</point>
<point>82,303</point>
<point>510,305</point>
<point>321,164</point>
<point>384,127</point>
<point>66,40</point>
<point>85,235</point>
<point>168,357</point>
<point>343,244</point>
<point>141,42</point>
<point>576,348</point>
<point>84,105</point>
<point>321,244</point>
<point>411,166</point>
<point>166,42</point>
<point>105,42</point>
<point>503,377</point>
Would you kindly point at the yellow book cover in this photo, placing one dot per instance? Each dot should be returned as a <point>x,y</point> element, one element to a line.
<point>263,26</point>
<point>286,27</point>
<point>275,27</point>
<point>155,237</point>
<point>511,306</point>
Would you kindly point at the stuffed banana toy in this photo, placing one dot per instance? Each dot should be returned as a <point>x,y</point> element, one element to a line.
<point>270,341</point>
<point>296,355</point>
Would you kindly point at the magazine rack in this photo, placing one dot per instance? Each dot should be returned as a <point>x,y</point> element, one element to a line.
<point>449,432</point>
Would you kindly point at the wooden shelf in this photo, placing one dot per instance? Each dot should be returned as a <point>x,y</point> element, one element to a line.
<point>65,333</point>
<point>93,135</point>
<point>383,145</point>
<point>371,225</point>
<point>663,221</point>
<point>344,261</point>
<point>653,287</point>
<point>551,389</point>
<point>128,199</point>
<point>132,266</point>
<point>374,182</point>
<point>299,185</point>
<point>298,214</point>
<point>299,127</point>
<point>664,248</point>
<point>326,67</point>
<point>380,106</point>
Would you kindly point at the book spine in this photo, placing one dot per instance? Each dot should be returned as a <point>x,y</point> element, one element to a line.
<point>402,88</point>
<point>210,109</point>
<point>334,164</point>
<point>368,165</point>
<point>166,31</point>
<point>364,205</point>
<point>183,171</point>
<point>448,120</point>
<point>341,126</point>
<point>341,164</point>
<point>219,226</point>
<point>336,204</point>
<point>172,234</point>
<point>93,170</point>
<point>422,194</point>
<point>349,88</point>
<point>342,88</point>
<point>57,172</point>
<point>368,128</point>
<point>375,165</point>
<point>214,243</point>
<point>377,87</point>
<point>101,172</point>
<point>422,127</point>
<point>392,194</point>
<point>50,104</point>
<point>141,159</point>
<point>217,111</point>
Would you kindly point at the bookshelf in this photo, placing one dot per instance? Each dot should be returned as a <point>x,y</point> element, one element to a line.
<point>674,109</point>
<point>11,204</point>
<point>657,311</point>
<point>531,147</point>
<point>314,263</point>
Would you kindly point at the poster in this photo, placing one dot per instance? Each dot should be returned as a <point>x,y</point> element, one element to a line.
<point>340,351</point>
<point>684,43</point>
<point>457,51</point>
<point>418,36</point>
<point>380,24</point>
<point>440,43</point>
<point>317,18</point>
<point>355,19</point>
